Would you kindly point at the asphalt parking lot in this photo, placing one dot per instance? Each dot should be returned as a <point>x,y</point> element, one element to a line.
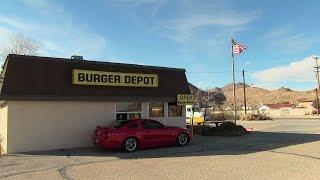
<point>278,149</point>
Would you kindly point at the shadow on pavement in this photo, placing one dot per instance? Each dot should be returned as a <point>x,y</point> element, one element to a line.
<point>200,146</point>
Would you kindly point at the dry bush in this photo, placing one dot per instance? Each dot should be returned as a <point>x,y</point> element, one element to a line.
<point>225,129</point>
<point>198,129</point>
<point>254,117</point>
<point>221,117</point>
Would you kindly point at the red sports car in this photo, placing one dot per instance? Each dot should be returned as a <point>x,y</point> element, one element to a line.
<point>140,133</point>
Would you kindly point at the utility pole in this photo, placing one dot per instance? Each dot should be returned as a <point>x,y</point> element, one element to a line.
<point>317,71</point>
<point>317,100</point>
<point>244,93</point>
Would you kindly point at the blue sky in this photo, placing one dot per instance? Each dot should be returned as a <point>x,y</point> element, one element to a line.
<point>281,35</point>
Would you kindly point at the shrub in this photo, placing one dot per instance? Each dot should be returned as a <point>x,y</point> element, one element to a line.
<point>221,117</point>
<point>314,111</point>
<point>225,129</point>
<point>253,117</point>
<point>218,117</point>
<point>197,129</point>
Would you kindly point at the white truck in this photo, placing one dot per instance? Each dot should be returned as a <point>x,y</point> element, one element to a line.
<point>194,113</point>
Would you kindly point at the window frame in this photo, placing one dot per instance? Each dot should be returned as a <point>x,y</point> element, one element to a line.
<point>127,112</point>
<point>150,110</point>
<point>181,109</point>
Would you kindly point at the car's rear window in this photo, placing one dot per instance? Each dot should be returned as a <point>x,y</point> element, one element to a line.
<point>133,126</point>
<point>119,124</point>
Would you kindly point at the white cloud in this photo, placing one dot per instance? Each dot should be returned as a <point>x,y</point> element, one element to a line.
<point>46,7</point>
<point>20,24</point>
<point>297,71</point>
<point>183,29</point>
<point>154,6</point>
<point>247,63</point>
<point>205,25</point>
<point>278,32</point>
<point>204,28</point>
<point>4,34</point>
<point>192,18</point>
<point>56,35</point>
<point>288,40</point>
<point>298,42</point>
<point>137,1</point>
<point>43,4</point>
<point>11,22</point>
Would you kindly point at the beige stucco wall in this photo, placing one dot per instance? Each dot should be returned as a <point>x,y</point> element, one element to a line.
<point>3,127</point>
<point>44,125</point>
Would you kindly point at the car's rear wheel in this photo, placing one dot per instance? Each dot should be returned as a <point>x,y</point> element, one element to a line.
<point>130,144</point>
<point>182,139</point>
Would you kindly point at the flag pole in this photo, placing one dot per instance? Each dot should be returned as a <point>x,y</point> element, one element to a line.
<point>234,86</point>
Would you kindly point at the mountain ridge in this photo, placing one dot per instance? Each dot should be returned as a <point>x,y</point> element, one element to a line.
<point>257,95</point>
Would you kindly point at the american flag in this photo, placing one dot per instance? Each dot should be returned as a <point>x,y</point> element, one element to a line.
<point>237,48</point>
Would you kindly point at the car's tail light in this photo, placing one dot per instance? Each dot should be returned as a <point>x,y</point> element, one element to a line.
<point>104,136</point>
<point>102,132</point>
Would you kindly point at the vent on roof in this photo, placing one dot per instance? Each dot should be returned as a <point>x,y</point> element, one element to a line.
<point>75,57</point>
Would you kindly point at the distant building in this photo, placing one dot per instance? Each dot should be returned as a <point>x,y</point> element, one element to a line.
<point>280,106</point>
<point>308,104</point>
<point>248,107</point>
<point>228,108</point>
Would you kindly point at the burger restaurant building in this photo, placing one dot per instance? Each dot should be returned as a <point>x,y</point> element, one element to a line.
<point>55,103</point>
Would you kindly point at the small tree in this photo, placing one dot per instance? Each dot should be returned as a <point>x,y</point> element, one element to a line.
<point>206,99</point>
<point>315,104</point>
<point>19,44</point>
<point>219,99</point>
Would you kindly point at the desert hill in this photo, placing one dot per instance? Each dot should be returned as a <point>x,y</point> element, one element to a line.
<point>256,95</point>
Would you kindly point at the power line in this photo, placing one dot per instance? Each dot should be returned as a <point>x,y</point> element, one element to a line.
<point>249,72</point>
<point>227,71</point>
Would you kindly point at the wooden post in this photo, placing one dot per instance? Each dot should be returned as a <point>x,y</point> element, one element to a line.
<point>244,93</point>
